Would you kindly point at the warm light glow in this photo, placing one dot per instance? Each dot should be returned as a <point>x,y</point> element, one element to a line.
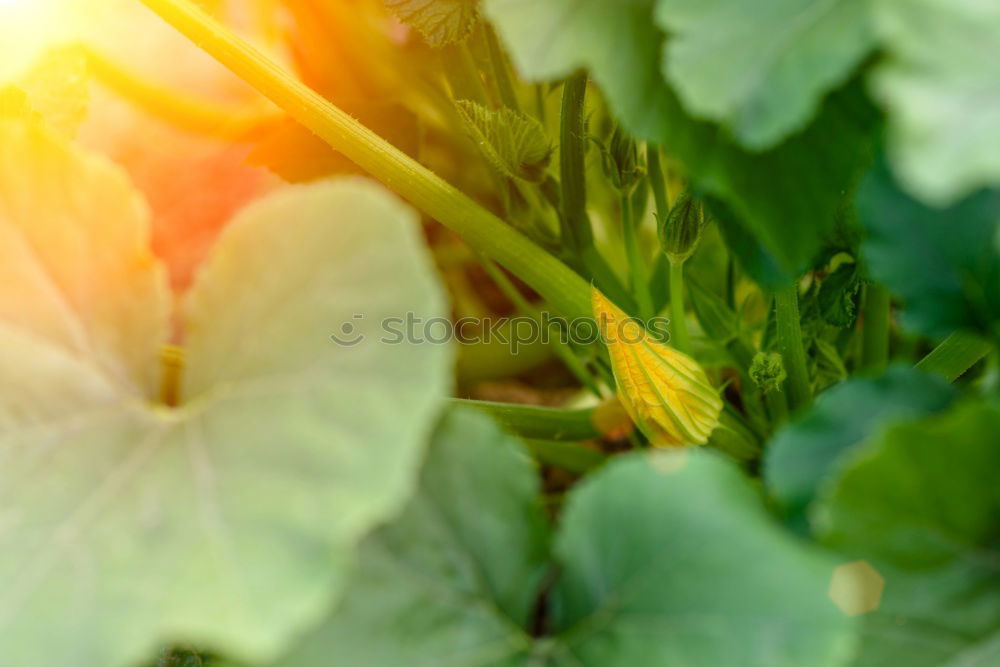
<point>29,27</point>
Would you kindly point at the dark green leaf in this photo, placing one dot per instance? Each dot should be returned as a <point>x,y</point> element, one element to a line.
<point>943,263</point>
<point>807,451</point>
<point>921,504</point>
<point>671,559</point>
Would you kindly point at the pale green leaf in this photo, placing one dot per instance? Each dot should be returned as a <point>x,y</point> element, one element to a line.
<point>441,22</point>
<point>451,582</point>
<point>514,143</point>
<point>227,522</point>
<point>762,68</point>
<point>941,84</point>
<point>673,560</point>
<point>921,504</point>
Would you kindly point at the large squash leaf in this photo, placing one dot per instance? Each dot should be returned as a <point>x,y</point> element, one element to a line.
<point>789,197</point>
<point>229,520</point>
<point>661,561</point>
<point>452,582</point>
<point>673,560</point>
<point>762,68</point>
<point>921,505</point>
<point>941,84</point>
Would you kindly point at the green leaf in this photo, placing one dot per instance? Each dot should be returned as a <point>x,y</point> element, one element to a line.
<point>804,453</point>
<point>673,560</point>
<point>837,298</point>
<point>789,196</point>
<point>453,580</point>
<point>441,22</point>
<point>942,263</point>
<point>762,69</point>
<point>514,143</point>
<point>921,505</point>
<point>942,94</point>
<point>225,522</point>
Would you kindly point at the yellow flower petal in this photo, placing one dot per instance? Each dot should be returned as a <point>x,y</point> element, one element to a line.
<point>665,392</point>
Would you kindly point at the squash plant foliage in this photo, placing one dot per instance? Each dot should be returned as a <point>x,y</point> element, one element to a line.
<point>732,270</point>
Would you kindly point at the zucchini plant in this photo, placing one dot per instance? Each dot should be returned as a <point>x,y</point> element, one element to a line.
<point>468,333</point>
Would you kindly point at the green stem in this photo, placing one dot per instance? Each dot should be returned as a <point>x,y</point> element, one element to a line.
<point>955,355</point>
<point>565,455</point>
<point>501,70</point>
<point>553,280</point>
<point>637,273</point>
<point>875,329</point>
<point>793,354</point>
<point>532,421</point>
<point>576,232</point>
<point>540,103</point>
<point>678,320</point>
<point>657,181</point>
<point>777,407</point>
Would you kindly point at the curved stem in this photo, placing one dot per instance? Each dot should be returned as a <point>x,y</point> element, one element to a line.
<point>678,321</point>
<point>557,283</point>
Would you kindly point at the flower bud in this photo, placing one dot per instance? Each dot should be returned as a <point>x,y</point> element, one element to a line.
<point>768,371</point>
<point>665,392</point>
<point>621,161</point>
<point>680,233</point>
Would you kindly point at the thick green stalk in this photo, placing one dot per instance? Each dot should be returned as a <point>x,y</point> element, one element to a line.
<point>955,355</point>
<point>777,407</point>
<point>531,421</point>
<point>875,331</point>
<point>558,284</point>
<point>678,320</point>
<point>637,272</point>
<point>577,232</point>
<point>793,354</point>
